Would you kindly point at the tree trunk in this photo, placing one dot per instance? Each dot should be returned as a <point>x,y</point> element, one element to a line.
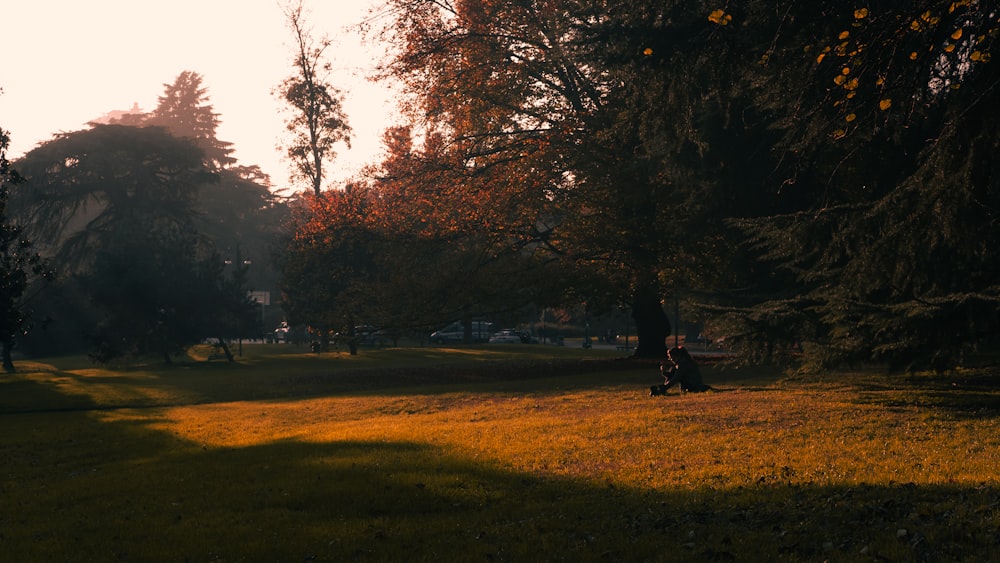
<point>651,324</point>
<point>226,350</point>
<point>8,360</point>
<point>352,338</point>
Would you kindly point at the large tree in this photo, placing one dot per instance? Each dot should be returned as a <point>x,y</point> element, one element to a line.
<point>603,122</point>
<point>236,209</point>
<point>116,203</point>
<point>317,121</point>
<point>82,185</point>
<point>888,125</point>
<point>19,265</point>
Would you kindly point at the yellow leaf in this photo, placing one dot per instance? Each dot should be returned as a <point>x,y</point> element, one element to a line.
<point>851,95</point>
<point>820,58</point>
<point>926,16</point>
<point>720,17</point>
<point>975,56</point>
<point>850,117</point>
<point>913,56</point>
<point>915,25</point>
<point>840,79</point>
<point>852,84</point>
<point>880,81</point>
<point>949,47</point>
<point>885,104</point>
<point>861,14</point>
<point>839,133</point>
<point>957,35</point>
<point>647,51</point>
<point>845,71</point>
<point>844,35</point>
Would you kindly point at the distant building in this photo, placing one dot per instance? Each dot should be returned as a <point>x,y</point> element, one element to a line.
<point>123,117</point>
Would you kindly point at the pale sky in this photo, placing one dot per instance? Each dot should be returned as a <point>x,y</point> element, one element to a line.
<point>66,62</point>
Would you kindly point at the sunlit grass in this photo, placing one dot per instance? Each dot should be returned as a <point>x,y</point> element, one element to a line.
<point>301,458</point>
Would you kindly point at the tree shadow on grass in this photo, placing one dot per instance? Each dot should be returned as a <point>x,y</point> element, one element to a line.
<point>59,390</point>
<point>970,396</point>
<point>82,487</point>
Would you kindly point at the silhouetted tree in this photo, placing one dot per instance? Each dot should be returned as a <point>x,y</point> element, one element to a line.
<point>19,265</point>
<point>317,121</point>
<point>82,185</point>
<point>160,292</point>
<point>118,204</point>
<point>185,111</point>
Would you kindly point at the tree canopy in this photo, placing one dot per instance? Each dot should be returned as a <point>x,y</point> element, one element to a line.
<point>235,207</point>
<point>892,236</point>
<point>837,140</point>
<point>116,205</point>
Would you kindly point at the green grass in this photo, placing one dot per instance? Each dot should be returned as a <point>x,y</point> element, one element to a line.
<point>521,453</point>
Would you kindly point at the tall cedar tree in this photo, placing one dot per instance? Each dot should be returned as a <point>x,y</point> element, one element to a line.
<point>317,121</point>
<point>237,208</point>
<point>117,203</point>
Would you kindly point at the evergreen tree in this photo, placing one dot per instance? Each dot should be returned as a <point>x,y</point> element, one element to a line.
<point>891,236</point>
<point>118,203</point>
<point>183,109</point>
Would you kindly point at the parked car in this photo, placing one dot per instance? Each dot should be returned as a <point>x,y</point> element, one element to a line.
<point>455,332</point>
<point>364,335</point>
<point>506,336</point>
<point>512,336</point>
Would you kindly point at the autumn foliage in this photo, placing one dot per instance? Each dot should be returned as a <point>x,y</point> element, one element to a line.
<point>806,173</point>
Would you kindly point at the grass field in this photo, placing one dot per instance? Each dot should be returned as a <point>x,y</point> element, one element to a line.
<point>491,454</point>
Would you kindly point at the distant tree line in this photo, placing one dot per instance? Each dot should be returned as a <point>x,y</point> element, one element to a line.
<point>816,177</point>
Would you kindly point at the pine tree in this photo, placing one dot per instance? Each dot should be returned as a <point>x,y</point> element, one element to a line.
<point>184,110</point>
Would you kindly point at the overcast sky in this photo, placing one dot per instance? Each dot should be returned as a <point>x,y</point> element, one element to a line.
<point>66,62</point>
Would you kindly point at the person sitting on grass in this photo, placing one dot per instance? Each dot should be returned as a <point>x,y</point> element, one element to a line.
<point>680,368</point>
